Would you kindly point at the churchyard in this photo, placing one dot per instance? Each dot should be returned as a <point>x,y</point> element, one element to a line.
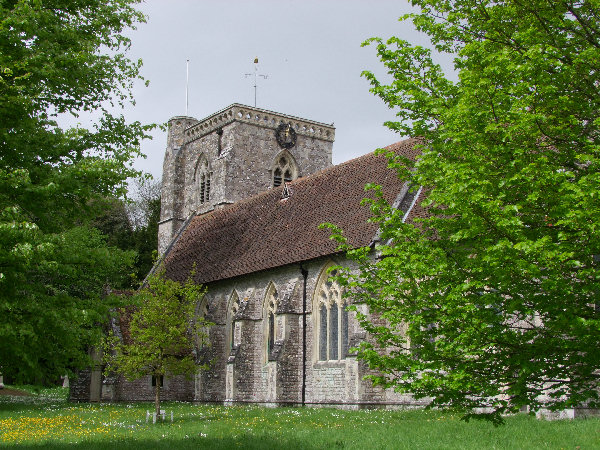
<point>46,420</point>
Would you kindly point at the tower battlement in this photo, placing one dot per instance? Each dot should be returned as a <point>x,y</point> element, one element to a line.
<point>259,117</point>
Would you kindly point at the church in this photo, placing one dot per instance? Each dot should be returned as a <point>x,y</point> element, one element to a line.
<point>243,194</point>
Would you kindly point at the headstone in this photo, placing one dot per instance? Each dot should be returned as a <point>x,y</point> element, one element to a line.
<point>163,414</point>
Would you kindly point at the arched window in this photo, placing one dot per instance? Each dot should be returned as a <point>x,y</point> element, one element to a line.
<point>270,319</point>
<point>234,306</point>
<point>331,323</point>
<point>284,168</point>
<point>203,177</point>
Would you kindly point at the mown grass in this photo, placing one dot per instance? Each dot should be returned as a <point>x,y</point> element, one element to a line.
<point>47,420</point>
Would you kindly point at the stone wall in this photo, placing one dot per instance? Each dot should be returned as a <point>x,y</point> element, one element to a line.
<point>171,204</point>
<point>241,369</point>
<point>240,148</point>
<point>79,386</point>
<point>177,388</point>
<point>247,374</point>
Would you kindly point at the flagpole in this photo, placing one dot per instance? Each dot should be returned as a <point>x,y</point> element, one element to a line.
<point>187,80</point>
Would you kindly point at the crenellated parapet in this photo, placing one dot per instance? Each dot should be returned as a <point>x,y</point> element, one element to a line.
<point>258,117</point>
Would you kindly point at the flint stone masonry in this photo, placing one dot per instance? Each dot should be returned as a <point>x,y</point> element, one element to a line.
<point>252,247</point>
<point>251,377</point>
<point>240,147</point>
<point>178,388</point>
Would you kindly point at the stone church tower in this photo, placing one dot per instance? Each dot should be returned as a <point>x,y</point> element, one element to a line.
<point>231,155</point>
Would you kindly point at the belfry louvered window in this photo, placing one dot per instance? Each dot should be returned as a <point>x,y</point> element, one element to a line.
<point>284,169</point>
<point>203,176</point>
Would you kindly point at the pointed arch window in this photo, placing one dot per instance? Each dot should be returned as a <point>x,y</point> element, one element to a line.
<point>332,320</point>
<point>270,310</point>
<point>284,169</point>
<point>202,338</point>
<point>203,178</point>
<point>233,310</point>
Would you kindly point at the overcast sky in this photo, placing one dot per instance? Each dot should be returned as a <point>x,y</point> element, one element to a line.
<point>309,49</point>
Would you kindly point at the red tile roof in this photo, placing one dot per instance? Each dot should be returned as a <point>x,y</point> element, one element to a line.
<point>264,231</point>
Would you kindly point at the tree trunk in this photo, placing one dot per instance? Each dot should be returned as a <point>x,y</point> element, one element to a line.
<point>157,396</point>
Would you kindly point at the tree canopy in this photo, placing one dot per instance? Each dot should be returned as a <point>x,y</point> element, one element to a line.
<point>492,301</point>
<point>60,58</point>
<point>144,215</point>
<point>132,225</point>
<point>164,333</point>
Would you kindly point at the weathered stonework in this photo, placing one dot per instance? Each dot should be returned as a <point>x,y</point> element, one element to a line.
<point>239,146</point>
<point>245,373</point>
<point>265,265</point>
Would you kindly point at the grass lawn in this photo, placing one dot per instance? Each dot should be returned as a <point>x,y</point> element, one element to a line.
<point>46,420</point>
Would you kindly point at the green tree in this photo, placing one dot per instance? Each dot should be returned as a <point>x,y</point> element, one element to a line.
<point>113,222</point>
<point>146,239</point>
<point>144,215</point>
<point>492,301</point>
<point>164,333</point>
<point>60,58</point>
<point>132,225</point>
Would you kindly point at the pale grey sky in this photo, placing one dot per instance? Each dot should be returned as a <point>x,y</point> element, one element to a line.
<point>310,50</point>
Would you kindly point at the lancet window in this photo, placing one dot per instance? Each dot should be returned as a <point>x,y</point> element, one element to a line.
<point>233,310</point>
<point>202,338</point>
<point>271,321</point>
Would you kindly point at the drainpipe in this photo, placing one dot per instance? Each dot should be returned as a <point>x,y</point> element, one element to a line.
<point>305,277</point>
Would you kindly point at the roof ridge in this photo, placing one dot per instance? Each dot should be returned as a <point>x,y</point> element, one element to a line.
<point>300,180</point>
<point>322,172</point>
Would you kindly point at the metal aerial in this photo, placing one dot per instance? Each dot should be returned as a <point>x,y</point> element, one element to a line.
<point>256,75</point>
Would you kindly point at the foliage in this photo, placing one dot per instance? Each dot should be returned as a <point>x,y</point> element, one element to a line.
<point>163,335</point>
<point>55,425</point>
<point>55,317</point>
<point>133,226</point>
<point>146,240</point>
<point>490,300</point>
<point>113,222</point>
<point>60,58</point>
<point>144,215</point>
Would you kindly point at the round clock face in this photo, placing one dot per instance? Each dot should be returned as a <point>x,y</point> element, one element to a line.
<point>285,135</point>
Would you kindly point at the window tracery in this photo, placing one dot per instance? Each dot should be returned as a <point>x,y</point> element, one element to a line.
<point>332,320</point>
<point>284,169</point>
